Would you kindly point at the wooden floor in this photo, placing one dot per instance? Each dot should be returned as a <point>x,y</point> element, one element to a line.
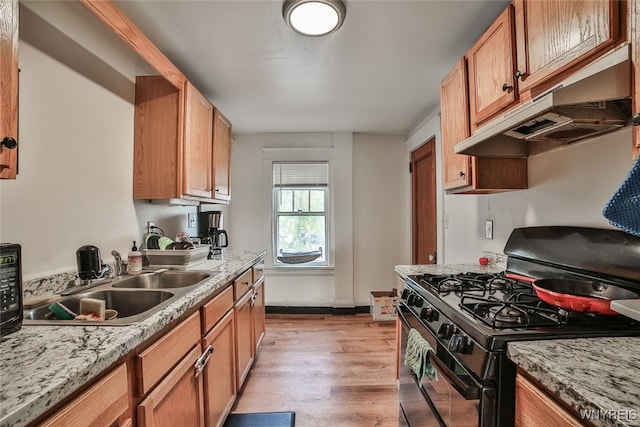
<point>330,370</point>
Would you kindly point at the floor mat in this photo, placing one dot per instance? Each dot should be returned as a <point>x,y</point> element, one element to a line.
<point>262,419</point>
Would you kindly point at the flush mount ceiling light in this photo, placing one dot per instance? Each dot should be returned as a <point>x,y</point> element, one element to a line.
<point>314,17</point>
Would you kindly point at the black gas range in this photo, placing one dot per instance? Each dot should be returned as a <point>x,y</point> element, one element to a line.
<point>468,319</point>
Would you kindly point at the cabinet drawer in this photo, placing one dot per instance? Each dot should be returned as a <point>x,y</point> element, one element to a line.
<point>242,284</point>
<point>215,309</point>
<point>534,407</point>
<point>153,363</point>
<point>100,405</point>
<point>258,272</point>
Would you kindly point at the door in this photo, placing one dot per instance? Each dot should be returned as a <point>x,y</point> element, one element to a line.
<point>220,373</point>
<point>259,324</point>
<point>491,70</point>
<point>9,88</point>
<point>244,337</point>
<point>198,143</point>
<point>221,157</point>
<point>423,191</point>
<point>454,125</point>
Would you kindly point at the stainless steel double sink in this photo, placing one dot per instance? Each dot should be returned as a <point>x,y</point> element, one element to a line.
<point>134,298</point>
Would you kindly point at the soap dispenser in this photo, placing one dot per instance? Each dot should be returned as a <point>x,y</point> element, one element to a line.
<point>134,260</point>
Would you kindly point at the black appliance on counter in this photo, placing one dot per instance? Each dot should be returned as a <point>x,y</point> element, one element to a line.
<point>10,288</point>
<point>210,225</point>
<point>468,319</point>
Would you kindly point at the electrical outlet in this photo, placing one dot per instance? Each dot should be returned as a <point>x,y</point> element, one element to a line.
<point>488,229</point>
<point>191,220</point>
<point>150,225</point>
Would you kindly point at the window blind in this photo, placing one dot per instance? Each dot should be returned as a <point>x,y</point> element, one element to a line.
<point>300,174</point>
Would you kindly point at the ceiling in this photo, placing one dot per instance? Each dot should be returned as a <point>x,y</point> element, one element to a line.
<point>380,73</point>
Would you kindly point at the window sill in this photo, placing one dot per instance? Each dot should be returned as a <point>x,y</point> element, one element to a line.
<point>299,271</point>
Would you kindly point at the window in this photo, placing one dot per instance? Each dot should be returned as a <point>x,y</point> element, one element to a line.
<point>300,210</point>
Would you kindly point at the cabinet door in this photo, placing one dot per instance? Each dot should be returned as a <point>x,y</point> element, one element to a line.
<point>197,143</point>
<point>178,399</point>
<point>244,337</point>
<point>259,324</point>
<point>534,407</point>
<point>553,35</point>
<point>454,118</point>
<point>220,373</point>
<point>9,87</point>
<point>99,406</point>
<point>221,157</point>
<point>491,70</point>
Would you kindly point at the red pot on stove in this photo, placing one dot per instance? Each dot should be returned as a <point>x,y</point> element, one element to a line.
<point>581,295</point>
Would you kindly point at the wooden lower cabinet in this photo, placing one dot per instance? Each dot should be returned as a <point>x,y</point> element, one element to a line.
<point>220,373</point>
<point>104,404</point>
<point>178,399</point>
<point>258,313</point>
<point>536,407</point>
<point>245,347</point>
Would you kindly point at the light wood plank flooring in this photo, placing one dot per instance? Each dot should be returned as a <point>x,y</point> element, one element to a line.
<point>330,370</point>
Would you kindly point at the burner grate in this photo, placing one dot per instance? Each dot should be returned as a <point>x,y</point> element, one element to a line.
<point>515,311</point>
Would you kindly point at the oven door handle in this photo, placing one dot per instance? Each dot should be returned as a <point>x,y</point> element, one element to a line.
<point>468,391</point>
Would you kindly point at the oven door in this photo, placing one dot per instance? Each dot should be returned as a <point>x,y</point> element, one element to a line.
<point>452,398</point>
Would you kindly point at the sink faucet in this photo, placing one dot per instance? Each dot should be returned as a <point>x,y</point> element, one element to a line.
<point>117,270</point>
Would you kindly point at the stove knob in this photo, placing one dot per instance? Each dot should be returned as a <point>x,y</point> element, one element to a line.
<point>445,331</point>
<point>412,299</point>
<point>405,294</point>
<point>461,344</point>
<point>429,314</point>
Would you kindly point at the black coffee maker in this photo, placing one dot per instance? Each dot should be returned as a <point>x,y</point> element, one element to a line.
<point>210,231</point>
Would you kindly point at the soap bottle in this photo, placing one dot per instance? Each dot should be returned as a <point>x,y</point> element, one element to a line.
<point>134,261</point>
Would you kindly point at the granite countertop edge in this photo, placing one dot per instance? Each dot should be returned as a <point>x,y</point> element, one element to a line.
<point>42,365</point>
<point>598,377</point>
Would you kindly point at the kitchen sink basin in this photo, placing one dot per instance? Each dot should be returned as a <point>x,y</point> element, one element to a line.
<point>132,306</point>
<point>134,297</point>
<point>165,280</point>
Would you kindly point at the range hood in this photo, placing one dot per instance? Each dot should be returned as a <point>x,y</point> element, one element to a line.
<point>593,101</point>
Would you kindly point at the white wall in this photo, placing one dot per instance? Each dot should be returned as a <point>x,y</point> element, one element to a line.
<point>76,146</point>
<point>569,186</point>
<point>370,173</point>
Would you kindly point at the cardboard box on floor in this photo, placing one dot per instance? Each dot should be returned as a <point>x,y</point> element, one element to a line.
<point>383,305</point>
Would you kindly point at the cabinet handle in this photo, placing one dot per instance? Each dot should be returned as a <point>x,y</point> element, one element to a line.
<point>506,87</point>
<point>462,174</point>
<point>635,120</point>
<point>253,298</point>
<point>9,142</point>
<point>201,362</point>
<point>518,74</point>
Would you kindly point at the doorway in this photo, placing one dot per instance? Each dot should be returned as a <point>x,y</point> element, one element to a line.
<point>423,204</point>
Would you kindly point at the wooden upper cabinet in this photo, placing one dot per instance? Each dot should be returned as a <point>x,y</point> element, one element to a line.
<point>198,143</point>
<point>8,89</point>
<point>491,63</point>
<point>173,141</point>
<point>454,123</point>
<point>221,157</point>
<point>553,35</point>
<point>470,174</point>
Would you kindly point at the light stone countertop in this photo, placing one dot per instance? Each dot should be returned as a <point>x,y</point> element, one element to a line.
<point>42,365</point>
<point>598,377</point>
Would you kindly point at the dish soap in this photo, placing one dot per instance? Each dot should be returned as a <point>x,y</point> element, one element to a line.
<point>134,261</point>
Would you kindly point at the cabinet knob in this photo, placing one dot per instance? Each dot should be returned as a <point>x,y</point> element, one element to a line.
<point>462,174</point>
<point>9,142</point>
<point>506,87</point>
<point>518,74</point>
<point>635,120</point>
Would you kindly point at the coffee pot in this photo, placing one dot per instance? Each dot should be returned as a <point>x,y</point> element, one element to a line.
<point>210,228</point>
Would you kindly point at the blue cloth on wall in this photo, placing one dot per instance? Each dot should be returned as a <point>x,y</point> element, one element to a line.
<point>623,209</point>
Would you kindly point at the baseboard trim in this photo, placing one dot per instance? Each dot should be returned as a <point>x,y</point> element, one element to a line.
<point>276,309</point>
